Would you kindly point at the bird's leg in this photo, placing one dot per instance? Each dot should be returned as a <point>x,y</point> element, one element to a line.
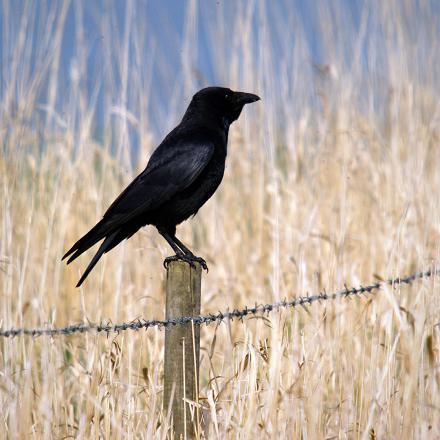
<point>176,248</point>
<point>190,254</point>
<point>182,252</point>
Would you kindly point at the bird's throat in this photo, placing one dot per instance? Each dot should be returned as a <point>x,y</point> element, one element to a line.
<point>226,123</point>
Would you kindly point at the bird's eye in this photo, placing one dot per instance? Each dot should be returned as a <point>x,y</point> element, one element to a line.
<point>226,96</point>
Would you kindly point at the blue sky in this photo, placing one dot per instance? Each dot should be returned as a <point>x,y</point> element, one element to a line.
<point>296,33</point>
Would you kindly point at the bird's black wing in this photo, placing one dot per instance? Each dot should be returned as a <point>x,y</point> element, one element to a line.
<point>168,173</point>
<point>172,168</point>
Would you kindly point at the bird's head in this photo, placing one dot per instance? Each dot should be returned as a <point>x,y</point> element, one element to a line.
<point>223,102</point>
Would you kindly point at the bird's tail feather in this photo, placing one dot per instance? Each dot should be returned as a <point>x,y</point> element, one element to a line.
<point>97,233</point>
<point>109,243</point>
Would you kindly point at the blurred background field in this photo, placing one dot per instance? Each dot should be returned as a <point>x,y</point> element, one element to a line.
<point>332,179</point>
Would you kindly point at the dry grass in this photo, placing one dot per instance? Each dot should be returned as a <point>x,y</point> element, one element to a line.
<point>321,189</point>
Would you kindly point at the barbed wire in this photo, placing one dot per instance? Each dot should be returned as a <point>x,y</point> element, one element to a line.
<point>220,316</point>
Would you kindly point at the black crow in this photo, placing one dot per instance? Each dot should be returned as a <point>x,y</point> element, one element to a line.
<point>182,174</point>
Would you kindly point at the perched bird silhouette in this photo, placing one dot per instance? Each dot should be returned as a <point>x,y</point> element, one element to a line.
<point>181,175</point>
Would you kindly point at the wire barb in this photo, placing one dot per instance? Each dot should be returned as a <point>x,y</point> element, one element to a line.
<point>220,316</point>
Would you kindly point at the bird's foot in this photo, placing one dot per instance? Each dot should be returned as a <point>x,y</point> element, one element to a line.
<point>200,260</point>
<point>190,259</point>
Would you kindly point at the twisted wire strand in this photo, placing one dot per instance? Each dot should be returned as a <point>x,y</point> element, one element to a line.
<point>258,309</point>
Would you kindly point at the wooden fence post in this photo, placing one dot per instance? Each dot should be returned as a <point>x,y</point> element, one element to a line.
<point>182,348</point>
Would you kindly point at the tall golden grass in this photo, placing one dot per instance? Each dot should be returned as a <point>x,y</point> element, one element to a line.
<point>333,178</point>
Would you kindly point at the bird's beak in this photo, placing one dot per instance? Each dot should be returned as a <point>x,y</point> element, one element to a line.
<point>245,98</point>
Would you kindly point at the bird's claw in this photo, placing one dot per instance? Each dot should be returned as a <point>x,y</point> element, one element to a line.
<point>168,260</point>
<point>199,260</point>
<point>190,259</point>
